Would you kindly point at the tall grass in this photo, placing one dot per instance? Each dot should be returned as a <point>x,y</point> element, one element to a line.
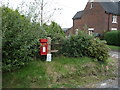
<point>61,72</point>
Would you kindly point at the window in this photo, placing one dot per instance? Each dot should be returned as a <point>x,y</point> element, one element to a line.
<point>91,6</point>
<point>76,32</point>
<point>90,31</point>
<point>114,19</point>
<point>113,29</point>
<point>69,35</point>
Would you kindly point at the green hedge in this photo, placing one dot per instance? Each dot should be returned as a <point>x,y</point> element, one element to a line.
<point>112,38</point>
<point>19,39</point>
<point>85,45</point>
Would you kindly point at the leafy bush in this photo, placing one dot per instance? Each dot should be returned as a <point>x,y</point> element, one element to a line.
<point>19,39</point>
<point>53,29</point>
<point>112,38</point>
<point>84,45</point>
<point>97,49</point>
<point>75,45</point>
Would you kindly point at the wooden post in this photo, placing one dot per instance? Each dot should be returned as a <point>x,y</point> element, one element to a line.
<point>49,45</point>
<point>49,55</point>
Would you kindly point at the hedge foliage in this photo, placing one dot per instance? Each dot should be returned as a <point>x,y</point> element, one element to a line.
<point>113,38</point>
<point>85,45</point>
<point>20,39</point>
<point>18,36</point>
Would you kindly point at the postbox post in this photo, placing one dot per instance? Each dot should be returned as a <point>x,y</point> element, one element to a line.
<point>49,55</point>
<point>49,45</point>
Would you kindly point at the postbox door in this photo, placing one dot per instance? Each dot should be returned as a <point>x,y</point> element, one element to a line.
<point>43,49</point>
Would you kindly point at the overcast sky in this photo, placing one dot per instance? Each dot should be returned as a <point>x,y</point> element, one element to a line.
<point>69,9</point>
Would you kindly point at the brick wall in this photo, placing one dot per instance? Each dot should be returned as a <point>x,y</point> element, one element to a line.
<point>94,18</point>
<point>118,22</point>
<point>69,31</point>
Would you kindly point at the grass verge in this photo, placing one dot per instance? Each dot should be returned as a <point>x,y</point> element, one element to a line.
<point>62,72</point>
<point>117,48</point>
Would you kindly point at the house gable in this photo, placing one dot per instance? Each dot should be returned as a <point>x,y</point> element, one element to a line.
<point>92,18</point>
<point>97,15</point>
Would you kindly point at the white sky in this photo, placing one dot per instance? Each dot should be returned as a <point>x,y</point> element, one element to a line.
<point>69,9</point>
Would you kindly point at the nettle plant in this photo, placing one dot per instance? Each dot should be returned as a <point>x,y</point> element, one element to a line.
<point>84,45</point>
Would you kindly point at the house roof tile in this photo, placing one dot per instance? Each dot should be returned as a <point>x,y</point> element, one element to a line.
<point>111,7</point>
<point>78,15</point>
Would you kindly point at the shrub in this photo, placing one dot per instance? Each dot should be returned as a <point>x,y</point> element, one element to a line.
<point>19,39</point>
<point>98,49</point>
<point>85,45</point>
<point>112,38</point>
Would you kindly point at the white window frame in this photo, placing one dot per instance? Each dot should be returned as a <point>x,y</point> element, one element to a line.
<point>91,0</point>
<point>76,32</point>
<point>114,19</point>
<point>69,35</point>
<point>90,31</point>
<point>91,5</point>
<point>113,29</point>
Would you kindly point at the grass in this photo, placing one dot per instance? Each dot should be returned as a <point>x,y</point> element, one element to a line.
<point>114,47</point>
<point>61,72</point>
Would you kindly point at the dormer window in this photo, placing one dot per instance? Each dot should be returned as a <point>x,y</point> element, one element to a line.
<point>91,6</point>
<point>114,19</point>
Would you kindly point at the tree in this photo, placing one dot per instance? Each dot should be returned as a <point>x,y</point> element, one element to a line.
<point>41,11</point>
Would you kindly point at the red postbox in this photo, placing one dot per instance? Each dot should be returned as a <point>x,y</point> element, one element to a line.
<point>43,46</point>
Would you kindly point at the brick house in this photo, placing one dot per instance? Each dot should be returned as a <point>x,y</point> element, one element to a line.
<point>97,17</point>
<point>69,31</point>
